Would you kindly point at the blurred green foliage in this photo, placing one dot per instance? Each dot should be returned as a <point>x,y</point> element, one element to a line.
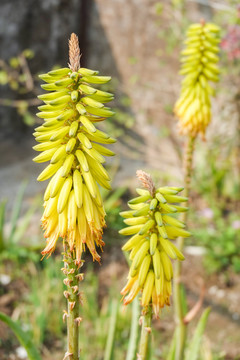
<point>43,315</point>
<point>215,176</point>
<point>216,223</point>
<point>16,74</point>
<point>22,336</point>
<point>123,119</point>
<point>13,243</point>
<point>40,310</point>
<point>221,238</point>
<point>113,205</point>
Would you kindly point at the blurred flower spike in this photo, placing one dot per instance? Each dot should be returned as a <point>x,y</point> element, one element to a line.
<point>199,66</point>
<point>69,139</point>
<point>231,43</point>
<point>152,227</point>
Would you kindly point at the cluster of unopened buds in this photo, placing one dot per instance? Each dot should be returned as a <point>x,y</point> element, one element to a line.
<point>69,139</point>
<point>152,226</point>
<point>199,66</point>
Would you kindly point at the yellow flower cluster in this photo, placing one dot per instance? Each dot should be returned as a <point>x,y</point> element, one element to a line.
<point>70,141</point>
<point>152,226</point>
<point>199,66</point>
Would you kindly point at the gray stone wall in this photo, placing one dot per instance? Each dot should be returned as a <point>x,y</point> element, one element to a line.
<point>43,26</point>
<point>122,38</point>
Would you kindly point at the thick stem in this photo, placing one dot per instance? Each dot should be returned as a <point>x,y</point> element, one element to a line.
<point>181,330</point>
<point>145,333</point>
<point>73,301</point>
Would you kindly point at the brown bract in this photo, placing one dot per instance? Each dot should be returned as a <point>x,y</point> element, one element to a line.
<point>74,53</point>
<point>146,181</point>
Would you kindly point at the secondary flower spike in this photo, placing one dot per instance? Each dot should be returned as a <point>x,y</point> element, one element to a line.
<point>69,139</point>
<point>199,66</point>
<point>152,228</point>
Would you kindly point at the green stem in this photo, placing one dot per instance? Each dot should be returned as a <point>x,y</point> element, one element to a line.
<point>132,345</point>
<point>72,295</point>
<point>181,330</point>
<point>108,355</point>
<point>145,333</point>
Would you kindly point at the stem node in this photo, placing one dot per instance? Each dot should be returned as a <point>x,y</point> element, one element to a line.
<point>72,295</point>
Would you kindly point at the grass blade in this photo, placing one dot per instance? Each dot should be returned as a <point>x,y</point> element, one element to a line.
<point>2,217</point>
<point>134,333</point>
<point>172,350</point>
<point>184,300</point>
<point>25,221</point>
<point>111,200</point>
<point>23,338</point>
<point>108,355</point>
<point>16,210</point>
<point>195,343</point>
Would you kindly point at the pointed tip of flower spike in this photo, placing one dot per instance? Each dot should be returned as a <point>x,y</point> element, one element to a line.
<point>74,53</point>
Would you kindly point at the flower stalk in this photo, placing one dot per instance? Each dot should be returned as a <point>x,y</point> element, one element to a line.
<point>181,327</point>
<point>187,169</point>
<point>146,320</point>
<point>133,340</point>
<point>72,294</point>
<point>193,109</point>
<point>70,140</point>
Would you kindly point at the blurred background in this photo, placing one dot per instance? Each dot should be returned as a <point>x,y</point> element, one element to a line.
<point>138,44</point>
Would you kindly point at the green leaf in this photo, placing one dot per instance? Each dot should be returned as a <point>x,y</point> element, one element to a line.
<point>195,342</point>
<point>28,119</point>
<point>3,77</point>
<point>28,53</point>
<point>108,355</point>
<point>172,350</point>
<point>14,62</point>
<point>23,338</point>
<point>183,299</point>
<point>22,107</point>
<point>25,221</point>
<point>159,8</point>
<point>114,197</point>
<point>134,333</point>
<point>2,216</point>
<point>16,210</point>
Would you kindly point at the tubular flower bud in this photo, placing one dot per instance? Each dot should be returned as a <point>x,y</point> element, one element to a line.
<point>199,67</point>
<point>73,206</point>
<point>152,228</point>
